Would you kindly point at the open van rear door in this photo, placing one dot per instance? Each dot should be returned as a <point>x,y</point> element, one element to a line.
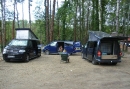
<point>114,38</point>
<point>69,46</point>
<point>77,46</point>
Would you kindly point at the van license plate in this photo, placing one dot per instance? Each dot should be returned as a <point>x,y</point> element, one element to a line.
<point>77,48</point>
<point>11,56</point>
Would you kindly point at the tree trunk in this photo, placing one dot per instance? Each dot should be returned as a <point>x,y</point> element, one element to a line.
<point>117,16</point>
<point>52,21</point>
<point>88,22</point>
<point>64,23</point>
<point>13,26</point>
<point>80,12</point>
<point>47,20</point>
<point>50,13</point>
<point>63,35</point>
<point>96,15</point>
<point>2,25</point>
<point>17,14</point>
<point>83,21</point>
<point>75,22</point>
<point>29,13</point>
<point>100,10</point>
<point>58,24</point>
<point>128,20</point>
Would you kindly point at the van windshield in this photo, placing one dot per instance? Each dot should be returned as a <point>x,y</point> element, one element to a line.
<point>18,43</point>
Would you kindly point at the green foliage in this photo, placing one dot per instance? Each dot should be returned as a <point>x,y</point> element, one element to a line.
<point>95,18</point>
<point>67,14</point>
<point>39,29</point>
<point>39,13</point>
<point>8,31</point>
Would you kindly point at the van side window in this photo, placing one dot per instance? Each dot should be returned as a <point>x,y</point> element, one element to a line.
<point>91,45</point>
<point>30,43</point>
<point>34,44</point>
<point>67,44</point>
<point>53,44</point>
<point>38,44</point>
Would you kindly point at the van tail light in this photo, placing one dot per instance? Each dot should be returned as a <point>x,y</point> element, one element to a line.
<point>120,53</point>
<point>99,53</point>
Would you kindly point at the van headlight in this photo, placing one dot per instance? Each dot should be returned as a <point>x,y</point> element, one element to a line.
<point>4,51</point>
<point>21,51</point>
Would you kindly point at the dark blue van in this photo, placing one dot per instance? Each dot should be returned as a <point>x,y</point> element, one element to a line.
<point>70,46</point>
<point>101,47</point>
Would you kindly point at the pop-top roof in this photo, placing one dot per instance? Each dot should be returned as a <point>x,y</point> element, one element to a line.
<point>97,35</point>
<point>25,33</point>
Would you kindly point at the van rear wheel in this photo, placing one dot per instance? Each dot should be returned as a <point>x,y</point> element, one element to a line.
<point>39,55</point>
<point>94,62</point>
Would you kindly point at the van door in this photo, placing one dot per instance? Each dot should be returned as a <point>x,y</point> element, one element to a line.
<point>35,48</point>
<point>39,48</point>
<point>30,48</point>
<point>90,50</point>
<point>84,51</point>
<point>77,46</point>
<point>53,47</point>
<point>60,46</point>
<point>68,46</point>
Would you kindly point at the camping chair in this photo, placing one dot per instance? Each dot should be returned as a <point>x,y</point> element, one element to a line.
<point>65,57</point>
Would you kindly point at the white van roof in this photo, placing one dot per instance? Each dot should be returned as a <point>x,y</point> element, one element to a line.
<point>25,33</point>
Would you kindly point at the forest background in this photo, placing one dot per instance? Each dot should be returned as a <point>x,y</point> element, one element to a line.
<point>66,20</point>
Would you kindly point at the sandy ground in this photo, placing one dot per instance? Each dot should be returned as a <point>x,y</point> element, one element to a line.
<point>47,72</point>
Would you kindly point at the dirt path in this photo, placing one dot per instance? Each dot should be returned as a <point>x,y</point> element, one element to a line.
<point>47,72</point>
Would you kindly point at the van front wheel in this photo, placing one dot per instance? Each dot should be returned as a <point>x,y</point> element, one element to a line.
<point>47,52</point>
<point>27,58</point>
<point>7,60</point>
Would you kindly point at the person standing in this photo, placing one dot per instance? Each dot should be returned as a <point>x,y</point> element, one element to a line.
<point>60,49</point>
